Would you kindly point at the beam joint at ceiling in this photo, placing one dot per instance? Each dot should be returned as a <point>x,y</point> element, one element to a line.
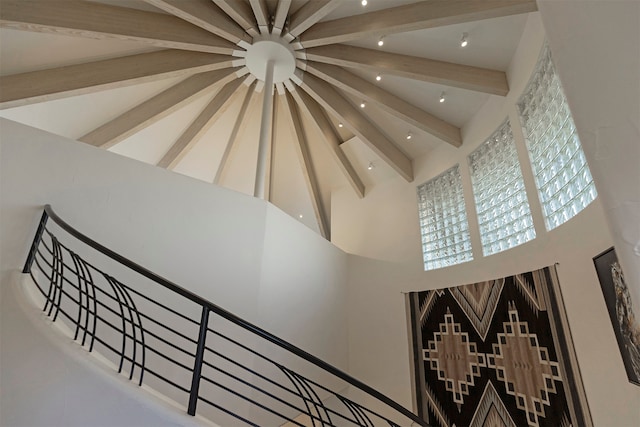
<point>206,15</point>
<point>445,73</point>
<point>100,21</point>
<point>241,12</point>
<point>310,13</point>
<point>261,13</point>
<point>411,17</point>
<point>308,171</point>
<point>279,19</point>
<point>156,108</point>
<point>231,145</point>
<point>216,107</point>
<point>323,125</point>
<point>331,100</point>
<point>388,102</point>
<point>56,83</point>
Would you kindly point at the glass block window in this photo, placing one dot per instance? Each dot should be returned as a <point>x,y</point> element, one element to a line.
<point>443,221</point>
<point>562,176</point>
<point>503,210</point>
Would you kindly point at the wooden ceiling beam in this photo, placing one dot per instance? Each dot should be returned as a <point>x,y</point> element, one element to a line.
<point>358,124</point>
<point>445,73</point>
<point>56,83</point>
<point>100,21</point>
<point>207,117</point>
<point>323,125</point>
<point>241,12</point>
<point>411,17</point>
<point>280,17</point>
<point>156,108</point>
<point>309,14</point>
<point>304,155</point>
<point>261,13</point>
<point>231,145</point>
<point>387,101</point>
<point>205,15</point>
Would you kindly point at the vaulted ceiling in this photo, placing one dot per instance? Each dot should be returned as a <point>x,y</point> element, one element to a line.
<point>171,83</point>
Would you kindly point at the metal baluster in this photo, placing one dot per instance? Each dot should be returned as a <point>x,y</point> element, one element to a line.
<point>134,343</point>
<point>367,421</point>
<point>197,365</point>
<point>131,304</point>
<point>82,283</point>
<point>123,319</point>
<point>304,400</point>
<point>305,388</point>
<point>95,308</point>
<point>347,403</point>
<point>59,279</point>
<point>36,242</point>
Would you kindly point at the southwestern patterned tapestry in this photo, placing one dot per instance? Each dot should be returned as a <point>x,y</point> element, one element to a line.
<point>496,353</point>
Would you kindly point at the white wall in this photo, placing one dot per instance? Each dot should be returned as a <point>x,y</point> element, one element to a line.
<point>384,228</point>
<point>236,251</point>
<point>303,287</point>
<point>595,44</point>
<point>378,341</point>
<point>57,384</point>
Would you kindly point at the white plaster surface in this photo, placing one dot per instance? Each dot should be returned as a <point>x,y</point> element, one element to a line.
<point>595,47</point>
<point>236,251</point>
<point>384,228</point>
<point>49,380</point>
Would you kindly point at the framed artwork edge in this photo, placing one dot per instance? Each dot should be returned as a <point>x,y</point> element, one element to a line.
<point>602,265</point>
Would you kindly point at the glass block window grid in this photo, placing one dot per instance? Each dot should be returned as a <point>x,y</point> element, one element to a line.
<point>504,216</point>
<point>561,172</point>
<point>443,221</point>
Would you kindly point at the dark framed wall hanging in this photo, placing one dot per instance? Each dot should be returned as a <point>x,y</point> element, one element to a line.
<point>625,324</point>
<point>496,353</point>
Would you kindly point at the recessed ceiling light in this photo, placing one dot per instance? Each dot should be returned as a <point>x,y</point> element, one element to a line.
<point>381,41</point>
<point>371,166</point>
<point>340,125</point>
<point>378,77</point>
<point>463,41</point>
<point>362,104</point>
<point>364,2</point>
<point>409,135</point>
<point>300,216</point>
<point>442,97</point>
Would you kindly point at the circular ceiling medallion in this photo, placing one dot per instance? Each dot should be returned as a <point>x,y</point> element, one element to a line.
<point>273,48</point>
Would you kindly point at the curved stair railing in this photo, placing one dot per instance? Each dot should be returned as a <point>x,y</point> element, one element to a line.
<point>189,349</point>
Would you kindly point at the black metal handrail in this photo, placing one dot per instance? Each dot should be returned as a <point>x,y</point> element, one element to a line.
<point>131,328</point>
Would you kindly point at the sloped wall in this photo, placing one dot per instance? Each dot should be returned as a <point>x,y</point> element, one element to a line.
<point>598,61</point>
<point>57,385</point>
<point>232,249</point>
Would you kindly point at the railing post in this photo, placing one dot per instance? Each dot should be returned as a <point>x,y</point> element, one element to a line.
<point>197,366</point>
<point>36,242</point>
